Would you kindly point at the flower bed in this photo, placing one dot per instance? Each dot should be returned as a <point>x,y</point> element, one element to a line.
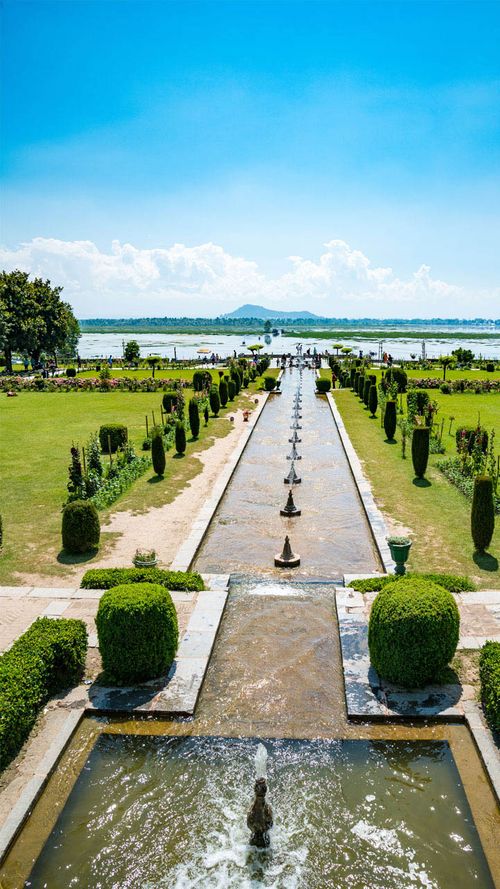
<point>88,384</point>
<point>451,467</point>
<point>474,386</point>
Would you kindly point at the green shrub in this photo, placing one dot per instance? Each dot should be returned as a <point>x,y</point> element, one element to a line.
<point>231,388</point>
<point>236,378</point>
<point>445,388</point>
<point>214,400</point>
<point>205,414</point>
<point>80,526</point>
<point>490,367</point>
<point>373,400</point>
<point>352,377</point>
<point>396,375</point>
<point>223,393</point>
<point>71,371</point>
<point>114,434</point>
<point>269,383</point>
<point>194,418</point>
<point>420,449</point>
<point>454,583</point>
<point>46,659</point>
<point>137,631</point>
<point>180,437</point>
<point>390,419</point>
<point>472,435</point>
<point>158,452</point>
<point>361,386</point>
<point>105,578</point>
<point>323,385</point>
<point>489,674</point>
<point>413,631</point>
<point>169,400</point>
<point>366,391</point>
<point>482,519</point>
<point>202,379</point>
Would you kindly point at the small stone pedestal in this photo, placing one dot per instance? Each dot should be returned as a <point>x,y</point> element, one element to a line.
<point>287,558</point>
<point>290,510</point>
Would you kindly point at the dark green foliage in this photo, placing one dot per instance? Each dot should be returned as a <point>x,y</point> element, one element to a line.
<point>114,433</point>
<point>323,385</point>
<point>202,379</point>
<point>246,381</point>
<point>373,400</point>
<point>158,452</point>
<point>231,388</point>
<point>472,436</point>
<point>80,526</point>
<point>489,674</point>
<point>194,418</point>
<point>223,393</point>
<point>262,365</point>
<point>76,483</point>
<point>396,375</point>
<point>420,449</point>
<point>390,420</point>
<point>366,391</point>
<point>454,583</point>
<point>482,519</point>
<point>269,383</point>
<point>214,400</point>
<point>490,367</point>
<point>205,414</point>
<point>180,437</point>
<point>352,377</point>
<point>356,382</point>
<point>138,632</point>
<point>361,386</point>
<point>132,352</point>
<point>105,578</point>
<point>46,659</point>
<point>169,400</point>
<point>71,371</point>
<point>236,378</point>
<point>413,631</point>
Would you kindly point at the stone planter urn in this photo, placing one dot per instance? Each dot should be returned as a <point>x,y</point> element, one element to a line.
<point>145,559</point>
<point>400,551</point>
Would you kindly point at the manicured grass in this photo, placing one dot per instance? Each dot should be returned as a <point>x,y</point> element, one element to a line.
<point>36,433</point>
<point>437,515</point>
<point>436,373</point>
<point>468,409</point>
<point>145,373</point>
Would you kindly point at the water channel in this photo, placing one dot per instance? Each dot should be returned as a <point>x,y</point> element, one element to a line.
<point>152,803</point>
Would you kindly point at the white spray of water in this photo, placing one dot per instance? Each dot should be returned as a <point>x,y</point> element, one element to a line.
<point>261,762</point>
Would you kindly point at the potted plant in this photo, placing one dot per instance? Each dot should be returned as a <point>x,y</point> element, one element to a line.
<point>145,558</point>
<point>400,550</point>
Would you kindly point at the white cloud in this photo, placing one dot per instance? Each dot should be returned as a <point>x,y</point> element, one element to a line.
<point>206,280</point>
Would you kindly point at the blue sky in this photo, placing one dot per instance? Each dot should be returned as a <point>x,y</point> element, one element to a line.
<point>266,129</point>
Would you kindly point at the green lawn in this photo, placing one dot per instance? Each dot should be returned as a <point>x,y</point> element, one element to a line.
<point>144,373</point>
<point>36,433</point>
<point>437,515</point>
<point>436,373</point>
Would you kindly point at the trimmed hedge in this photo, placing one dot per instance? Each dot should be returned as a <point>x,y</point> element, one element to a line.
<point>180,437</point>
<point>420,443</point>
<point>46,659</point>
<point>390,420</point>
<point>194,418</point>
<point>231,389</point>
<point>105,578</point>
<point>454,583</point>
<point>269,383</point>
<point>202,379</point>
<point>158,452</point>
<point>81,530</point>
<point>323,385</point>
<point>214,400</point>
<point>138,632</point>
<point>115,434</point>
<point>373,400</point>
<point>489,674</point>
<point>223,393</point>
<point>482,518</point>
<point>169,400</point>
<point>413,631</point>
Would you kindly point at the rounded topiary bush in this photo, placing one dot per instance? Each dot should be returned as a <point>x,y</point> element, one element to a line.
<point>112,435</point>
<point>169,400</point>
<point>323,385</point>
<point>71,371</point>
<point>269,383</point>
<point>137,631</point>
<point>413,631</point>
<point>80,527</point>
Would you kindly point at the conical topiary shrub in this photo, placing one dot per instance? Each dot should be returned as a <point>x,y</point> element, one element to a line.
<point>390,419</point>
<point>214,401</point>
<point>194,418</point>
<point>366,391</point>
<point>180,437</point>
<point>158,452</point>
<point>361,385</point>
<point>420,449</point>
<point>223,393</point>
<point>231,388</point>
<point>373,400</point>
<point>482,519</point>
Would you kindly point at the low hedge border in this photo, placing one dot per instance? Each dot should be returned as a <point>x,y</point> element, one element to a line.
<point>106,578</point>
<point>489,674</point>
<point>47,658</point>
<point>454,583</point>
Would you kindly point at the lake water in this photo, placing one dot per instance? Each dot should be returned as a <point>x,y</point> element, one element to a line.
<point>186,345</point>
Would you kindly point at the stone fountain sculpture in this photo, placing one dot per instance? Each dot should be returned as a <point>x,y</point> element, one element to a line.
<point>289,510</point>
<point>295,438</point>
<point>293,455</point>
<point>287,558</point>
<point>260,816</point>
<point>292,478</point>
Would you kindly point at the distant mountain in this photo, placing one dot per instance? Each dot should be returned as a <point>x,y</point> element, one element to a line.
<point>250,311</point>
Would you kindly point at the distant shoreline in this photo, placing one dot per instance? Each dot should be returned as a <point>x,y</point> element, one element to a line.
<point>353,331</point>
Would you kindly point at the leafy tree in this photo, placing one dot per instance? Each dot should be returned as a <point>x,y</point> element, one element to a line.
<point>267,327</point>
<point>446,361</point>
<point>132,352</point>
<point>34,319</point>
<point>463,356</point>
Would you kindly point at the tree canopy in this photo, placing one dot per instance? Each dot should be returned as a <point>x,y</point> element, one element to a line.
<point>34,320</point>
